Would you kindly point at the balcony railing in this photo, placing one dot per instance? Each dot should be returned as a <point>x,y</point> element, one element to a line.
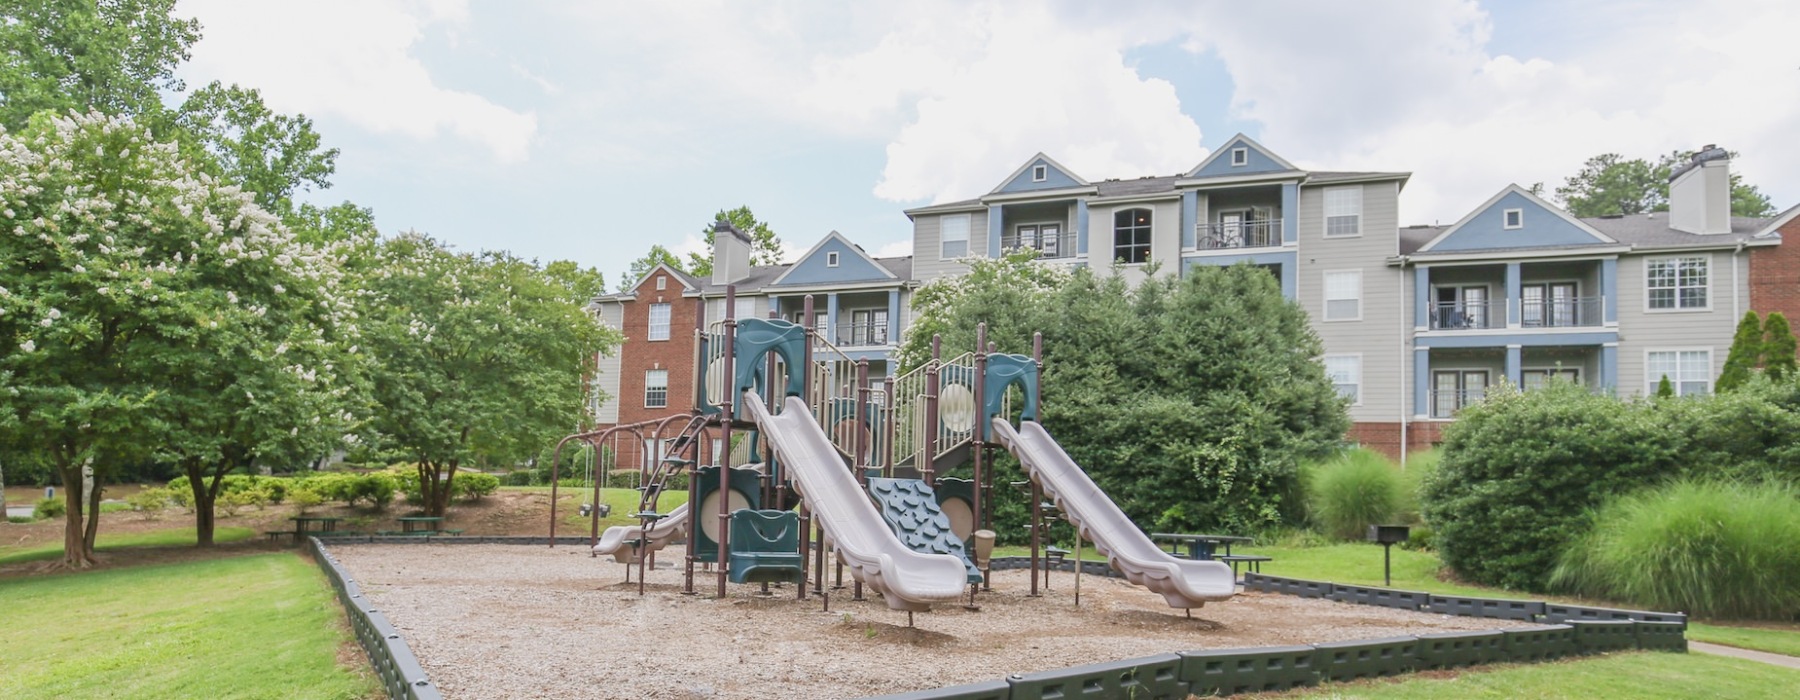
<point>1572,312</point>
<point>1466,316</point>
<point>1260,233</point>
<point>1445,404</point>
<point>1060,245</point>
<point>861,334</point>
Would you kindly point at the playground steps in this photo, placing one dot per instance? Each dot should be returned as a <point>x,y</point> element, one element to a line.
<point>911,511</point>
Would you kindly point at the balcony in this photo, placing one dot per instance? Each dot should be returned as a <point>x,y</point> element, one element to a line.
<point>1049,245</point>
<point>1574,312</point>
<point>1445,403</point>
<point>1257,233</point>
<point>861,334</point>
<point>1467,316</point>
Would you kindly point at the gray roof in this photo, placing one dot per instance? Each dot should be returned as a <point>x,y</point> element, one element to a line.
<point>761,275</point>
<point>1324,176</point>
<point>1412,238</point>
<point>1652,230</point>
<point>1142,185</point>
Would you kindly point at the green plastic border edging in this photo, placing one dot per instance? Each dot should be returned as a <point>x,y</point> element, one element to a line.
<point>400,673</point>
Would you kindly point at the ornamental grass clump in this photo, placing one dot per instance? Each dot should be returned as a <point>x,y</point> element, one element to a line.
<point>1721,549</point>
<point>1352,491</point>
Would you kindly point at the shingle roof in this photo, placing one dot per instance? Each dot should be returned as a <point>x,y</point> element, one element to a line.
<point>1325,176</point>
<point>1412,238</point>
<point>1142,185</point>
<point>1653,231</point>
<point>761,275</point>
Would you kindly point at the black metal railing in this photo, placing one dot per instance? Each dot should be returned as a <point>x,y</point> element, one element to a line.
<point>1257,233</point>
<point>1574,312</point>
<point>1466,316</point>
<point>1058,245</point>
<point>858,334</point>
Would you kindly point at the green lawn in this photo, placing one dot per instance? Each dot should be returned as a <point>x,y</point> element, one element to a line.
<point>624,502</point>
<point>108,541</point>
<point>257,626</point>
<point>1777,641</point>
<point>1635,675</point>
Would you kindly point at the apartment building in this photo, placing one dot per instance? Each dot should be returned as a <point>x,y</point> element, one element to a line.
<point>860,305</point>
<point>1417,322</point>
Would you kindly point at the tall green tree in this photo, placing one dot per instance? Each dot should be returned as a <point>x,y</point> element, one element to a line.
<point>111,56</point>
<point>479,356</point>
<point>658,255</point>
<point>1609,184</point>
<point>1778,347</point>
<point>274,156</point>
<point>1745,355</point>
<point>765,246</point>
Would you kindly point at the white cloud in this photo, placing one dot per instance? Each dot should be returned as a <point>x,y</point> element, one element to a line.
<point>352,59</point>
<point>896,249</point>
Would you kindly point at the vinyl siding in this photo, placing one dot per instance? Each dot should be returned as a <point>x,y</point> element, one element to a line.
<point>608,368</point>
<point>1165,238</point>
<point>1641,330</point>
<point>1377,337</point>
<point>927,249</point>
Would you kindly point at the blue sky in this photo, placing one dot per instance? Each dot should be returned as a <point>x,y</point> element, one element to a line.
<point>589,131</point>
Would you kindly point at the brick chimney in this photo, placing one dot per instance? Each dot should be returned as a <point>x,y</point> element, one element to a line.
<point>1700,193</point>
<point>731,253</point>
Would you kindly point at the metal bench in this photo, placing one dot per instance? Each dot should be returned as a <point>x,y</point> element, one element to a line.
<point>1251,562</point>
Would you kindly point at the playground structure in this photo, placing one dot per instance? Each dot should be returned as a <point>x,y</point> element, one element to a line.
<point>815,448</point>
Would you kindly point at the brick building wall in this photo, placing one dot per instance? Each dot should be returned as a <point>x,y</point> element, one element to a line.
<point>1775,275</point>
<point>638,354</point>
<point>1385,437</point>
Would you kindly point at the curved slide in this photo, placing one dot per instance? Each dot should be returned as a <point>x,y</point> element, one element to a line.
<point>1183,583</point>
<point>906,579</point>
<point>613,540</point>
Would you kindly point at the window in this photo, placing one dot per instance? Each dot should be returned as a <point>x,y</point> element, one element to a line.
<point>1040,173</point>
<point>1240,156</point>
<point>1345,372</point>
<point>1533,379</point>
<point>1512,218</point>
<point>867,327</point>
<point>1689,371</point>
<point>1131,236</point>
<point>1550,305</point>
<point>656,388</point>
<point>831,259</point>
<point>1343,211</point>
<point>1343,295</point>
<point>659,322</point>
<point>1676,283</point>
<point>1452,390</point>
<point>1047,239</point>
<point>1459,308</point>
<point>953,233</point>
<point>799,317</point>
<point>746,308</point>
<point>662,283</point>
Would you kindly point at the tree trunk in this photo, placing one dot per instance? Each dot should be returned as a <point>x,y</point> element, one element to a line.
<point>2,488</point>
<point>93,510</point>
<point>205,517</point>
<point>75,545</point>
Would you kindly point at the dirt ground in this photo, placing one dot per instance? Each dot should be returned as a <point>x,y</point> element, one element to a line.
<point>522,621</point>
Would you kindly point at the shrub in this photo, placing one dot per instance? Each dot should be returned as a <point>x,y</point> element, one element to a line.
<point>377,488</point>
<point>20,519</point>
<point>149,501</point>
<point>518,478</point>
<point>1714,548</point>
<point>1419,467</point>
<point>1521,473</point>
<point>49,508</point>
<point>1352,491</point>
<point>474,485</point>
<point>304,498</point>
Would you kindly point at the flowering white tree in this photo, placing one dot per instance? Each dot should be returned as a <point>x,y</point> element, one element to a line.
<point>146,309</point>
<point>477,355</point>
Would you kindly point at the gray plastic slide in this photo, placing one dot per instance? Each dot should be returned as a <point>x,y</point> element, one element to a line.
<point>613,540</point>
<point>1183,583</point>
<point>906,579</point>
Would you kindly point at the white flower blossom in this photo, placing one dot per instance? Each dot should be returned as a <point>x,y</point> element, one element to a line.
<point>28,346</point>
<point>55,313</point>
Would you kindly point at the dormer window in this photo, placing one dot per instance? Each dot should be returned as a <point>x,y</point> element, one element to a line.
<point>831,259</point>
<point>662,283</point>
<point>1512,218</point>
<point>1240,156</point>
<point>1040,173</point>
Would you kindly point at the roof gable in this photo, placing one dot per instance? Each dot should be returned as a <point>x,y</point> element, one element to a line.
<point>1056,177</point>
<point>1540,225</point>
<point>1257,160</point>
<point>853,265</point>
<point>682,278</point>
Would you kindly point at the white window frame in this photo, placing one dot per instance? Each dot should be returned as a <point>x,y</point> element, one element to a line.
<point>648,387</point>
<point>1705,258</point>
<point>1040,173</point>
<point>1512,219</point>
<point>662,282</point>
<point>1325,221</point>
<point>1652,379</point>
<point>746,308</point>
<point>1240,157</point>
<point>651,327</point>
<point>1325,294</point>
<point>968,224</point>
<point>1355,378</point>
<point>831,259</point>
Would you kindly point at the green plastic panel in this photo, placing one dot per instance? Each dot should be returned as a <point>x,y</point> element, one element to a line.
<point>746,482</point>
<point>1235,671</point>
<point>1004,371</point>
<point>765,547</point>
<point>1150,678</point>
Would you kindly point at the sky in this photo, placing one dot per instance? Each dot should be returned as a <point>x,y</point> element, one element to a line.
<point>589,131</point>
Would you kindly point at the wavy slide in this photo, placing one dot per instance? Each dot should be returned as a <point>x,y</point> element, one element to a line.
<point>614,539</point>
<point>1183,583</point>
<point>906,579</point>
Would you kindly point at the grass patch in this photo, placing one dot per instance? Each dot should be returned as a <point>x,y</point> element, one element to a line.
<point>158,538</point>
<point>624,502</point>
<point>1645,675</point>
<point>1772,640</point>
<point>262,626</point>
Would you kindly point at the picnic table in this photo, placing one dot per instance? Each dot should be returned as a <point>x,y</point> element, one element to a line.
<point>420,524</point>
<point>304,526</point>
<point>1200,547</point>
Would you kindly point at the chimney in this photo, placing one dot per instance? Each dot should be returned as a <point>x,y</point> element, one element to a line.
<point>1700,193</point>
<point>731,253</point>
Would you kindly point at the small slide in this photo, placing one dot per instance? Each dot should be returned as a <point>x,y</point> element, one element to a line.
<point>1183,583</point>
<point>615,539</point>
<point>906,579</point>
